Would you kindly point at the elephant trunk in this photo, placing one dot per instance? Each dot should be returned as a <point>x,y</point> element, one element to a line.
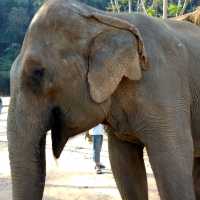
<point>26,143</point>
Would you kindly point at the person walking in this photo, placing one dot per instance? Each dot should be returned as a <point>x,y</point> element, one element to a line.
<point>97,138</point>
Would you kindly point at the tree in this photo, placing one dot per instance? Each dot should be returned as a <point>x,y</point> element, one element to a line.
<point>130,6</point>
<point>165,7</point>
<point>15,16</point>
<point>143,7</point>
<point>184,7</point>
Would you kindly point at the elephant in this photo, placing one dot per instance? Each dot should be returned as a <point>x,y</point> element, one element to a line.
<point>137,75</point>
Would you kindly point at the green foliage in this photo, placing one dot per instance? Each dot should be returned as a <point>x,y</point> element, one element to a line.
<point>100,4</point>
<point>151,11</point>
<point>38,3</point>
<point>173,9</point>
<point>8,56</point>
<point>123,5</point>
<point>15,15</point>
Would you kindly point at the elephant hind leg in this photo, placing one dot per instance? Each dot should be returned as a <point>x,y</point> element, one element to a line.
<point>128,169</point>
<point>196,177</point>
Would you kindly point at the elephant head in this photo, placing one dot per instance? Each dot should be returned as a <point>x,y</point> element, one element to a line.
<point>72,60</point>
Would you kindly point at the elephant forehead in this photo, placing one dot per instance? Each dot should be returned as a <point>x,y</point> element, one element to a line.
<point>65,16</point>
<point>61,27</point>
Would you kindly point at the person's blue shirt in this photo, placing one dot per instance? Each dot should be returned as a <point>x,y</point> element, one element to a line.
<point>97,130</point>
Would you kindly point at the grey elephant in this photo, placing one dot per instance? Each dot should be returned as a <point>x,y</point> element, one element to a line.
<point>138,75</point>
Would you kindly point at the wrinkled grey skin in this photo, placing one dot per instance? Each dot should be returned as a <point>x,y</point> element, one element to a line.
<point>138,75</point>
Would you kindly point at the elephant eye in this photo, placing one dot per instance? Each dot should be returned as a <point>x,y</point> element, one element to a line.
<point>35,80</point>
<point>38,73</point>
<point>37,76</point>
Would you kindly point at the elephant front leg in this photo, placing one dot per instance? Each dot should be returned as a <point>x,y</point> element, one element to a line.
<point>128,168</point>
<point>171,157</point>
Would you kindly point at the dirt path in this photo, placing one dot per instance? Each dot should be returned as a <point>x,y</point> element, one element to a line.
<point>72,177</point>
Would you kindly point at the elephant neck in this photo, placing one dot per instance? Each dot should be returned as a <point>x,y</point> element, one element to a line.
<point>119,122</point>
<point>124,136</point>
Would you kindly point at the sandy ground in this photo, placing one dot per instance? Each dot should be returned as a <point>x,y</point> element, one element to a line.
<point>72,177</point>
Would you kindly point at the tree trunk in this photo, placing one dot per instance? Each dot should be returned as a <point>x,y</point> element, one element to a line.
<point>184,7</point>
<point>130,6</point>
<point>143,7</point>
<point>117,6</point>
<point>165,6</point>
<point>113,6</point>
<point>155,5</point>
<point>179,5</point>
<point>138,5</point>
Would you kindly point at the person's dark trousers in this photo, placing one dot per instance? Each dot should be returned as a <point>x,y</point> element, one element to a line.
<point>97,145</point>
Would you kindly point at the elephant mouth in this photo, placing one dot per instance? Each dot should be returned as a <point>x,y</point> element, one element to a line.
<point>62,129</point>
<point>59,138</point>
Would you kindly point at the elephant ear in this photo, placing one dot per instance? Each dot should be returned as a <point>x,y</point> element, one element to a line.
<point>115,53</point>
